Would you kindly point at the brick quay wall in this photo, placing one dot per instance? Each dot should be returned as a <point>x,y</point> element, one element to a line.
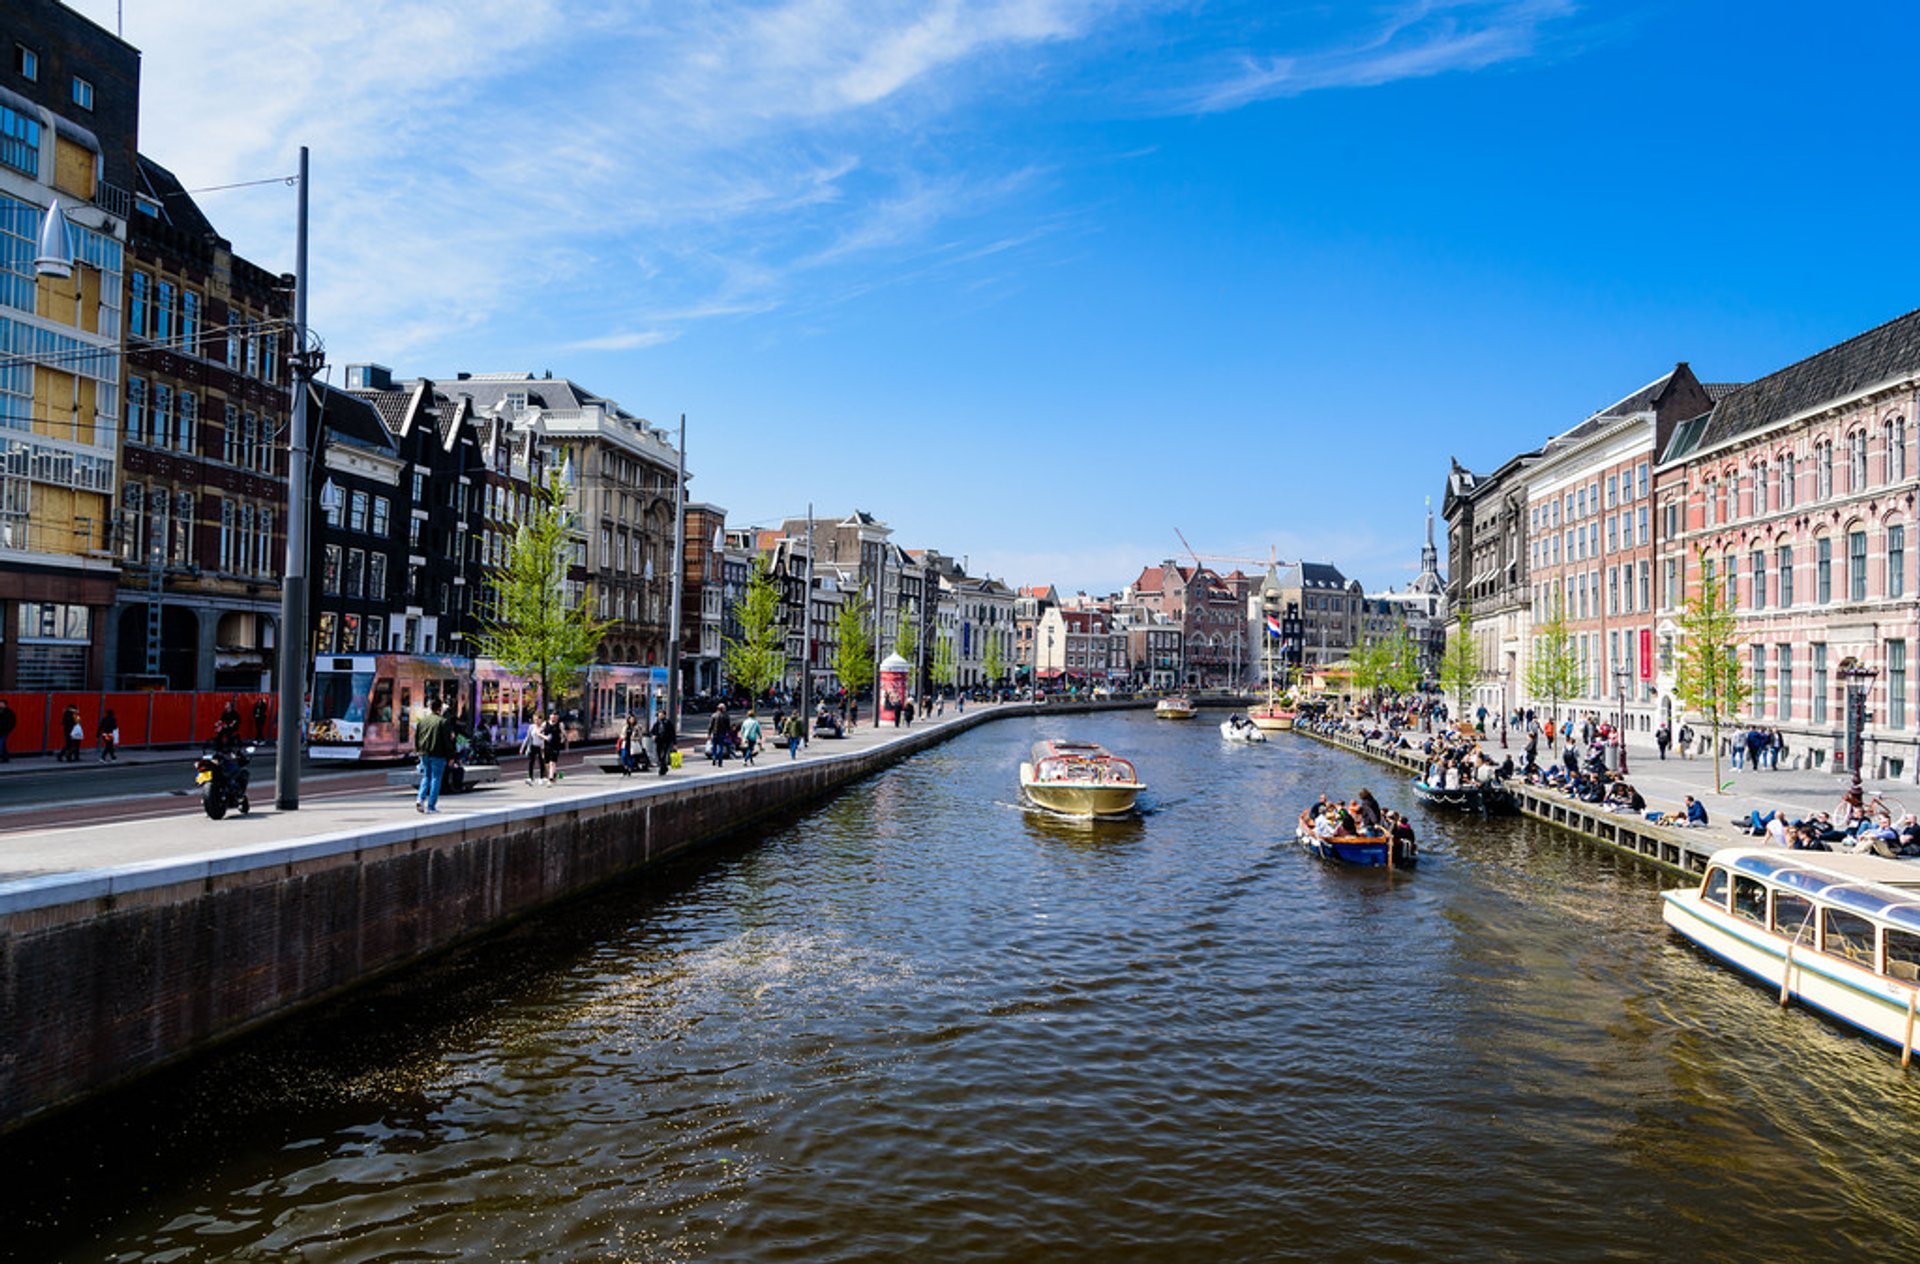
<point>109,974</point>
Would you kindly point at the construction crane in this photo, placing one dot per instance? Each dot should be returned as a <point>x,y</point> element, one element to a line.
<point>1201,559</point>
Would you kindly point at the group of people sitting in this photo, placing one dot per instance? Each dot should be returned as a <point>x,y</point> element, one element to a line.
<point>1849,827</point>
<point>1362,817</point>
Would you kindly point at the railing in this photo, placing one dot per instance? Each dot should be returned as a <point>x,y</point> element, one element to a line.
<point>114,200</point>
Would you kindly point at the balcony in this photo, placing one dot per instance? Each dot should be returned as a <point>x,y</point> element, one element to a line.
<point>114,200</point>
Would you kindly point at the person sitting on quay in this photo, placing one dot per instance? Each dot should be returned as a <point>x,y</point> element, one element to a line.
<point>1622,797</point>
<point>1692,815</point>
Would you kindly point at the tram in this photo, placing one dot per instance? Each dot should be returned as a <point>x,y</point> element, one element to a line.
<point>364,704</point>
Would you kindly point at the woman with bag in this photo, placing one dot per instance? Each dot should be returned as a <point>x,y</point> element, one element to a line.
<point>109,736</point>
<point>73,734</point>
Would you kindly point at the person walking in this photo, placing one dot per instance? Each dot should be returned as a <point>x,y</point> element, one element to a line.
<point>629,733</point>
<point>749,737</point>
<point>533,745</point>
<point>1686,741</point>
<point>1662,738</point>
<point>433,739</point>
<point>109,737</point>
<point>71,735</point>
<point>662,734</point>
<point>719,731</point>
<point>259,719</point>
<point>7,720</point>
<point>796,732</point>
<point>553,740</point>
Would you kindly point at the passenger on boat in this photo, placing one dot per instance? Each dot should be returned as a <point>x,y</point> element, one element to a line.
<point>1368,809</point>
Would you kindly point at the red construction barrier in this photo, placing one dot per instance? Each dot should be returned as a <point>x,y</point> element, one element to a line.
<point>29,735</point>
<point>146,718</point>
<point>172,723</point>
<point>86,705</point>
<point>132,711</point>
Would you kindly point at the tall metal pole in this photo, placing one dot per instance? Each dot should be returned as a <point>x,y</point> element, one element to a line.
<point>293,587</point>
<point>806,629</point>
<point>879,628</point>
<point>679,574</point>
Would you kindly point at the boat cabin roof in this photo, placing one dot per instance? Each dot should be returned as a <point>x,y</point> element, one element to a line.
<point>1055,748</point>
<point>1873,886</point>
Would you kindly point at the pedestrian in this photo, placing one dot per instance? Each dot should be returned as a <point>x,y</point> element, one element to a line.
<point>853,712</point>
<point>533,746</point>
<point>226,729</point>
<point>259,719</point>
<point>719,732</point>
<point>796,732</point>
<point>71,735</point>
<point>1662,738</point>
<point>1686,741</point>
<point>553,741</point>
<point>624,749</point>
<point>662,734</point>
<point>7,720</point>
<point>909,706</point>
<point>433,739</point>
<point>109,737</point>
<point>1757,746</point>
<point>750,737</point>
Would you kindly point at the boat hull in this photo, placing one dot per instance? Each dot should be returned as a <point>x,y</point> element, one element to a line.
<point>1364,853</point>
<point>1070,798</point>
<point>1847,993</point>
<point>1271,721</point>
<point>1246,734</point>
<point>1165,712</point>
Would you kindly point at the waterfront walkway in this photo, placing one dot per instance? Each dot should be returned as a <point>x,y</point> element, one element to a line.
<point>42,854</point>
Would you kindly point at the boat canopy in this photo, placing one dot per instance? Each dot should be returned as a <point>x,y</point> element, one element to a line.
<point>1879,889</point>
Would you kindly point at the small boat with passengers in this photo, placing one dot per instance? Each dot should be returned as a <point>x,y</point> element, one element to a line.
<point>1393,847</point>
<point>1840,931</point>
<point>1079,779</point>
<point>1486,797</point>
<point>1178,707</point>
<point>1238,728</point>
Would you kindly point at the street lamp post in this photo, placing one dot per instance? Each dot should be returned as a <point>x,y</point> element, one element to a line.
<point>1859,680</point>
<point>1506,715</point>
<point>1620,693</point>
<point>293,587</point>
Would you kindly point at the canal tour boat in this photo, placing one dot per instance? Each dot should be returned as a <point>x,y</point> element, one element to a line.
<point>1079,779</point>
<point>1839,931</point>
<point>1366,851</point>
<point>1179,707</point>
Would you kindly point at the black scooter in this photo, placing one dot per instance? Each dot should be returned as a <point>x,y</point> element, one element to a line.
<point>222,777</point>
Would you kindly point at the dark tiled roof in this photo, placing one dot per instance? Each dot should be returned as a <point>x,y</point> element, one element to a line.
<point>1717,391</point>
<point>1321,575</point>
<point>177,207</point>
<point>341,417</point>
<point>390,405</point>
<point>1882,354</point>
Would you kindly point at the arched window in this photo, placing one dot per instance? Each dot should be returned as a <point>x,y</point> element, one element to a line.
<point>1789,471</point>
<point>1762,494</point>
<point>1823,469</point>
<point>1857,461</point>
<point>1896,441</point>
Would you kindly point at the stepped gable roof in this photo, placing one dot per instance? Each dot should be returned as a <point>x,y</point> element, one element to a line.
<point>1881,355</point>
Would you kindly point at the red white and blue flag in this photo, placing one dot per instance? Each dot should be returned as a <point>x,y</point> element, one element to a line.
<point>1273,625</point>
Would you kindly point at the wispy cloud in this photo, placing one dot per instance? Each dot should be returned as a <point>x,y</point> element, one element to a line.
<point>1414,42</point>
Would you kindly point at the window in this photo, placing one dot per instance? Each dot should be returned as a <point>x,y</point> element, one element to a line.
<point>377,576</point>
<point>1713,504</point>
<point>330,570</point>
<point>1613,536</point>
<point>1896,561</point>
<point>1643,480</point>
<point>1646,585</point>
<point>19,141</point>
<point>1856,566</point>
<point>249,452</point>
<point>1857,461</point>
<point>1823,570</point>
<point>1750,899</point>
<point>1783,654</point>
<point>1789,471</point>
<point>1784,559</point>
<point>1823,469</point>
<point>1791,914</point>
<point>186,417</point>
<point>356,569</point>
<point>82,93</point>
<point>1673,520</point>
<point>1645,536</point>
<point>357,511</point>
<point>137,303</point>
<point>1761,477</point>
<point>1613,490</point>
<point>163,312</point>
<point>1759,682</point>
<point>1896,440</point>
<point>1847,935</point>
<point>1897,685</point>
<point>1757,563</point>
<point>27,62</point>
<point>1819,684</point>
<point>136,410</point>
<point>381,508</point>
<point>189,323</point>
<point>230,442</point>
<point>227,538</point>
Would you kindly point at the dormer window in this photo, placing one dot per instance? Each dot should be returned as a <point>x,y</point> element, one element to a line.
<point>82,93</point>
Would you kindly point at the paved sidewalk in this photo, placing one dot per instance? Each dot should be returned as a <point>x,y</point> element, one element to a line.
<point>39,853</point>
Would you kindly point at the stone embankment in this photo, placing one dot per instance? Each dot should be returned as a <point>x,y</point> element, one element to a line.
<point>111,972</point>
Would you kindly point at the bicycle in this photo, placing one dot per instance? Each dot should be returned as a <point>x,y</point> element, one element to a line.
<point>1884,811</point>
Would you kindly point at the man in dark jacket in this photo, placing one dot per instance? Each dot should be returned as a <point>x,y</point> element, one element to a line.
<point>433,738</point>
<point>661,731</point>
<point>719,735</point>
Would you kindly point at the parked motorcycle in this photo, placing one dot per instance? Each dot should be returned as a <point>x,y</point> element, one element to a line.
<point>222,777</point>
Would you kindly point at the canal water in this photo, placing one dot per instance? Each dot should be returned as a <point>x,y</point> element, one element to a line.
<point>917,1022</point>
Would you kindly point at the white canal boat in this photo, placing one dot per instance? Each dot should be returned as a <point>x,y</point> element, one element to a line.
<point>1841,932</point>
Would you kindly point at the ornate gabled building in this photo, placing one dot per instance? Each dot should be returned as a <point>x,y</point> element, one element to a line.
<point>1486,516</point>
<point>1801,488</point>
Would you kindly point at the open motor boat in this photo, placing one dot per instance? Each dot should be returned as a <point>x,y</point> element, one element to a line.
<point>1079,779</point>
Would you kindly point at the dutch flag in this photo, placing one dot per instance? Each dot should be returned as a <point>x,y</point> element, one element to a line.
<point>1273,625</point>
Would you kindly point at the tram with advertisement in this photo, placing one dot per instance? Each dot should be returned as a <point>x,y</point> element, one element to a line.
<point>364,705</point>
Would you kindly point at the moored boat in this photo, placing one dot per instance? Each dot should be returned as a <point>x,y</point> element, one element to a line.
<point>1178,707</point>
<point>1839,931</point>
<point>1079,779</point>
<point>1273,717</point>
<point>1468,797</point>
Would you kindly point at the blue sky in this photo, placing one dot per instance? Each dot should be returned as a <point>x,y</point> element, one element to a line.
<point>1040,282</point>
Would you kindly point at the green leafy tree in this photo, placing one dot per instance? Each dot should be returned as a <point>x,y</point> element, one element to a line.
<point>756,660</point>
<point>945,661</point>
<point>1402,674</point>
<point>906,637</point>
<point>853,648</point>
<point>1371,662</point>
<point>531,630</point>
<point>1553,670</point>
<point>1707,674</point>
<point>1460,665</point>
<point>990,659</point>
